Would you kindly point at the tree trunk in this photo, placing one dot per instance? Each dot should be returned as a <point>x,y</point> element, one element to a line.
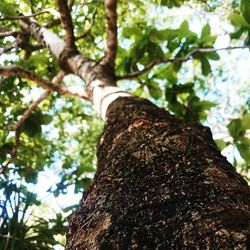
<point>161,184</point>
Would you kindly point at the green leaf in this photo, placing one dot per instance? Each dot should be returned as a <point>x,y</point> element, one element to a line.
<point>246,121</point>
<point>31,176</point>
<point>205,66</point>
<point>245,141</point>
<point>44,119</point>
<point>235,128</point>
<point>163,35</point>
<point>213,56</point>
<point>247,40</point>
<point>8,9</point>
<point>70,208</point>
<point>177,108</point>
<point>238,33</point>
<point>245,9</point>
<point>132,32</point>
<point>56,193</point>
<point>183,88</point>
<point>238,20</point>
<point>220,144</point>
<point>184,29</point>
<point>171,3</point>
<point>167,73</point>
<point>205,32</point>
<point>139,90</point>
<point>244,151</point>
<point>5,149</point>
<point>205,105</point>
<point>154,89</point>
<point>86,182</point>
<point>31,128</point>
<point>154,51</point>
<point>170,96</point>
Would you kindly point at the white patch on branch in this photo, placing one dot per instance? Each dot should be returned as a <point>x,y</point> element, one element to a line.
<point>103,96</point>
<point>52,41</point>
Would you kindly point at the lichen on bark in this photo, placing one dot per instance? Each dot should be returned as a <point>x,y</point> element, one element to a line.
<point>161,183</point>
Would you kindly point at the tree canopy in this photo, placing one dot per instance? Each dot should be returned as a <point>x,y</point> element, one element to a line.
<point>186,56</point>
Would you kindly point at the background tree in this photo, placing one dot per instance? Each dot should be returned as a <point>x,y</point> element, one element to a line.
<point>159,54</point>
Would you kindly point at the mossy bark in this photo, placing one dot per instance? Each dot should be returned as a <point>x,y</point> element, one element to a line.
<point>161,184</point>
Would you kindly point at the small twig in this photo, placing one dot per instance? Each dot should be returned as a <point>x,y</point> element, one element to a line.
<point>3,28</point>
<point>67,23</point>
<point>49,10</point>
<point>56,80</point>
<point>177,59</point>
<point>30,109</point>
<point>22,42</point>
<point>111,46</point>
<point>16,70</point>
<point>10,33</point>
<point>7,49</point>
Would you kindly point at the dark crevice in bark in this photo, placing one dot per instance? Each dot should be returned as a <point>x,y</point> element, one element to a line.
<point>161,184</point>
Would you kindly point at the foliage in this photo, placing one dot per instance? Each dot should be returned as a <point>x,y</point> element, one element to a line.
<point>21,230</point>
<point>62,133</point>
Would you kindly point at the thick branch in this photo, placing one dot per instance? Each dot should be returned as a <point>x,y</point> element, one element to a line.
<point>177,59</point>
<point>86,68</point>
<point>111,46</point>
<point>67,23</point>
<point>44,36</point>
<point>16,70</point>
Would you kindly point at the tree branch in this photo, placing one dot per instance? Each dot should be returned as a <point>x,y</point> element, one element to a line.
<point>56,80</point>
<point>67,23</point>
<point>70,59</point>
<point>20,17</point>
<point>31,108</point>
<point>111,41</point>
<point>16,70</point>
<point>24,117</point>
<point>10,33</point>
<point>177,59</point>
<point>7,49</point>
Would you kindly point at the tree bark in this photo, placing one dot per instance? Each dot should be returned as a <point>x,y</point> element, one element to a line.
<point>161,184</point>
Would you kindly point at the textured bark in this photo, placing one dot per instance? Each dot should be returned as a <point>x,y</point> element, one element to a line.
<point>161,184</point>
<point>67,23</point>
<point>100,81</point>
